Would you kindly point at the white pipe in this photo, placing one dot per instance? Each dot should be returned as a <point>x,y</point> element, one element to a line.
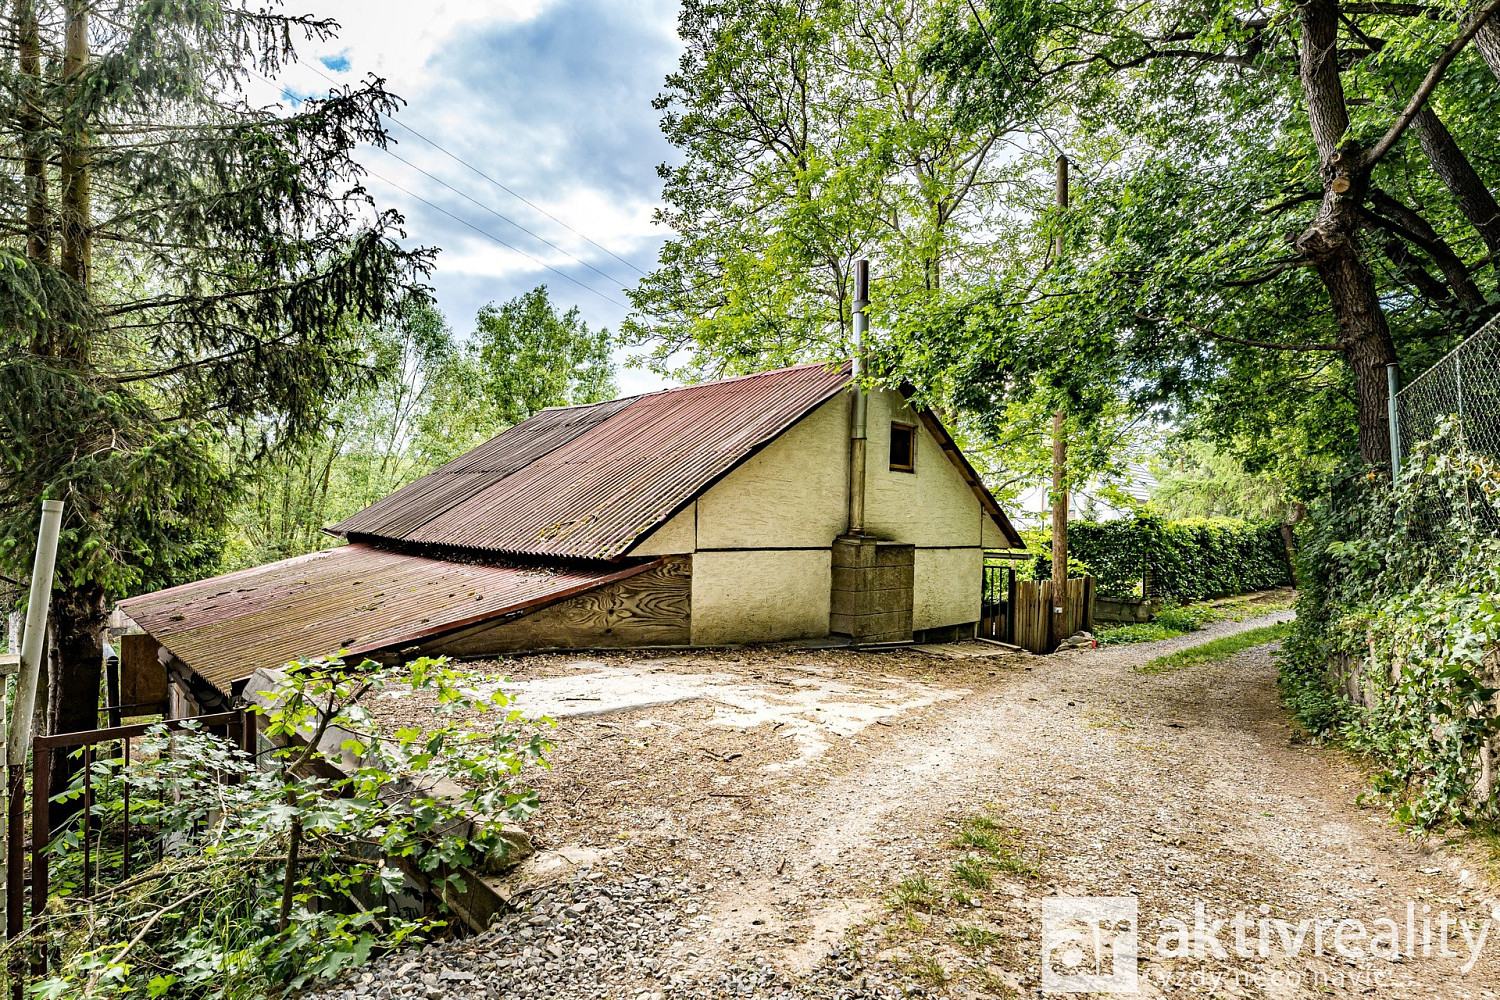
<point>34,640</point>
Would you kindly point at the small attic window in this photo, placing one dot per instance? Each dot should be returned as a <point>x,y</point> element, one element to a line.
<point>903,448</point>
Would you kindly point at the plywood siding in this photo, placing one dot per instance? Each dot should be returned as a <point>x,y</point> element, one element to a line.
<point>760,596</point>
<point>930,507</point>
<point>653,608</point>
<point>793,493</point>
<point>947,587</point>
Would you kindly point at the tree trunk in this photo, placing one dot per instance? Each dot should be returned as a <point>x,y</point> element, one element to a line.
<point>1331,243</point>
<point>75,673</point>
<point>73,172</point>
<point>1457,174</point>
<point>29,62</point>
<point>1487,41</point>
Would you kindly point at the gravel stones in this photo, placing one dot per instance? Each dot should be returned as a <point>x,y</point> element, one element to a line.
<point>631,937</point>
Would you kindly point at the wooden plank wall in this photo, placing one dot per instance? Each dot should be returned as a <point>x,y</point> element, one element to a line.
<point>1033,611</point>
<point>650,609</point>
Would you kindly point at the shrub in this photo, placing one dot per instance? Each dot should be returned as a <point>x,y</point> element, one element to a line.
<point>1190,560</point>
<point>1399,592</point>
<point>254,894</point>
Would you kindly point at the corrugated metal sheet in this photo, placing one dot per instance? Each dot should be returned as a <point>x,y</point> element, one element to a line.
<point>416,503</point>
<point>355,597</point>
<point>595,494</point>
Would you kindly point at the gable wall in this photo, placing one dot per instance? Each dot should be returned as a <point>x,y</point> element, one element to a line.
<point>763,535</point>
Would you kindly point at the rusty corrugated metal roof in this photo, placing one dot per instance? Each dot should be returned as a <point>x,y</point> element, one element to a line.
<point>356,597</point>
<point>415,503</point>
<point>595,492</point>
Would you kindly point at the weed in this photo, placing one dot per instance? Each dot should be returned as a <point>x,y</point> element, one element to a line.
<point>974,937</point>
<point>994,984</point>
<point>982,840</point>
<point>1010,860</point>
<point>928,970</point>
<point>916,892</point>
<point>971,871</point>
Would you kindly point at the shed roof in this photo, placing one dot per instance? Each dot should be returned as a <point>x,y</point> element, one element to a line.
<point>356,597</point>
<point>587,482</point>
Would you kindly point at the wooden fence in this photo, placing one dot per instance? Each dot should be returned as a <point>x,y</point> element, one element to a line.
<point>1033,610</point>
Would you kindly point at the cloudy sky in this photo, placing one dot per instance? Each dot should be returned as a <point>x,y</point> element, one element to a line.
<point>549,98</point>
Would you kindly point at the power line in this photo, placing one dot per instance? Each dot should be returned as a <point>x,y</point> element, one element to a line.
<point>503,217</point>
<point>514,194</point>
<point>488,235</point>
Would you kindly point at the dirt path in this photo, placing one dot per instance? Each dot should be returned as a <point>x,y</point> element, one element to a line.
<point>796,829</point>
<point>1175,788</point>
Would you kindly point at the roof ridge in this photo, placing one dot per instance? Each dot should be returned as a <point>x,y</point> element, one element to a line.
<point>829,363</point>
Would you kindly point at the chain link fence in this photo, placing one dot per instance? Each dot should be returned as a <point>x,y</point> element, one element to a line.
<point>1463,387</point>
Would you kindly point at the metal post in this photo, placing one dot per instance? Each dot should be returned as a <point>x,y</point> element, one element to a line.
<point>858,415</point>
<point>18,732</point>
<point>1393,380</point>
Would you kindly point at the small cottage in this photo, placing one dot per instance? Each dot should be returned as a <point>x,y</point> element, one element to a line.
<point>708,515</point>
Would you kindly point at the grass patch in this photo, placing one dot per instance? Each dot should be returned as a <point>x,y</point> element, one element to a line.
<point>994,984</point>
<point>916,892</point>
<point>972,872</point>
<point>974,937</point>
<point>1171,622</point>
<point>1011,861</point>
<point>927,970</point>
<point>1218,649</point>
<point>987,841</point>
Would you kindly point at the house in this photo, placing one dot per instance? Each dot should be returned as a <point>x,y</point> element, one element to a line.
<point>707,515</point>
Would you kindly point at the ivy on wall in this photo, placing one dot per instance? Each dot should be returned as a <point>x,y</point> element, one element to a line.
<point>1396,647</point>
<point>1189,560</point>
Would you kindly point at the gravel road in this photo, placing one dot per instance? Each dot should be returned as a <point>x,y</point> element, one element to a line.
<point>1074,775</point>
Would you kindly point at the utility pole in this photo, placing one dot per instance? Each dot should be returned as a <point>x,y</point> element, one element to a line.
<point>1060,467</point>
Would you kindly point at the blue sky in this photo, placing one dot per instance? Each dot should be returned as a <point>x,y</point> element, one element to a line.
<point>552,99</point>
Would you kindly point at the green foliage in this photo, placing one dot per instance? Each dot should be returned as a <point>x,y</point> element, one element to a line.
<point>973,872</point>
<point>207,920</point>
<point>1196,479</point>
<point>525,355</point>
<point>211,303</point>
<point>1402,593</point>
<point>431,400</point>
<point>810,135</point>
<point>1190,560</point>
<point>1215,650</point>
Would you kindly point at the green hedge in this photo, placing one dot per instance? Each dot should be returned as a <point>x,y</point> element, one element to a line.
<point>1191,560</point>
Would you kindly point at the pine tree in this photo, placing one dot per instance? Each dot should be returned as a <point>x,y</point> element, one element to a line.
<point>183,275</point>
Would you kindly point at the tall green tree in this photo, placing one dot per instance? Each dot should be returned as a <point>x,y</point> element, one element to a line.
<point>371,444</point>
<point>524,356</point>
<point>185,278</point>
<point>810,136</point>
<point>1279,199</point>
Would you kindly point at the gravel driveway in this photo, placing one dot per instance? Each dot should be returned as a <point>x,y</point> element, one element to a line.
<point>684,856</point>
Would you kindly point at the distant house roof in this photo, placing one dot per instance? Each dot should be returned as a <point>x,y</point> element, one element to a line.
<point>356,597</point>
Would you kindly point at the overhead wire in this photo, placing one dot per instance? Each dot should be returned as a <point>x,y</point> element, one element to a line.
<point>514,194</point>
<point>483,232</point>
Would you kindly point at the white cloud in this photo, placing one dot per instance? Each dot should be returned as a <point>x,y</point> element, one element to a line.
<point>552,98</point>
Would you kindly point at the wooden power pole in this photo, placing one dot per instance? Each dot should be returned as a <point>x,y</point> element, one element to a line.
<point>1059,469</point>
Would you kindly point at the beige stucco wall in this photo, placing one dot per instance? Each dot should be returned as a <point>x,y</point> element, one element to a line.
<point>760,596</point>
<point>787,504</point>
<point>932,506</point>
<point>793,493</point>
<point>679,536</point>
<point>945,587</point>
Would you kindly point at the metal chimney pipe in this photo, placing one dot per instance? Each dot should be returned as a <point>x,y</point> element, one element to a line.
<point>858,416</point>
